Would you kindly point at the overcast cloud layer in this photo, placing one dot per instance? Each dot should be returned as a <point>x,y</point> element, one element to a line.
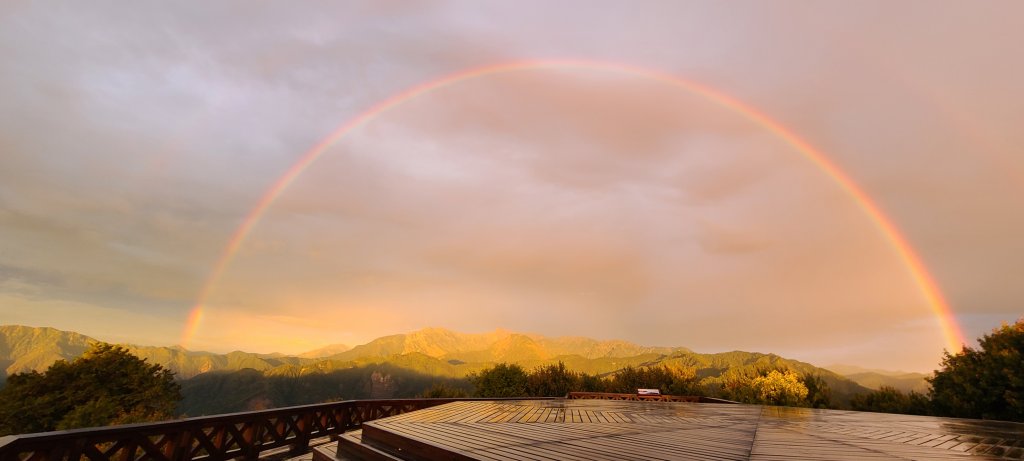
<point>136,136</point>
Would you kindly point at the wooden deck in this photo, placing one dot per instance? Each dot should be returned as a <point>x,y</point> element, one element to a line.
<point>625,430</point>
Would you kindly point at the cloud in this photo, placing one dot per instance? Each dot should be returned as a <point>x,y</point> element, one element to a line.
<point>717,240</point>
<point>136,138</point>
<point>413,213</point>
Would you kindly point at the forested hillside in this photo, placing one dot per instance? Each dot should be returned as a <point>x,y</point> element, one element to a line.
<point>398,365</point>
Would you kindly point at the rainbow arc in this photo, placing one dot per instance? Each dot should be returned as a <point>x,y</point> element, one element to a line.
<point>929,289</point>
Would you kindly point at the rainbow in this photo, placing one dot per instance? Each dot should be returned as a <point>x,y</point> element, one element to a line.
<point>929,289</point>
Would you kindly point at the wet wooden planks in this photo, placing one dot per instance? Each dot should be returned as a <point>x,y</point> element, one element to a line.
<point>631,430</point>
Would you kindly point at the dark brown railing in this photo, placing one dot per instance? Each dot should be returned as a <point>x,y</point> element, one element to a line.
<point>208,438</point>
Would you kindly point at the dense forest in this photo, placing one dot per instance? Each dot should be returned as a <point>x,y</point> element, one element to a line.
<point>244,390</point>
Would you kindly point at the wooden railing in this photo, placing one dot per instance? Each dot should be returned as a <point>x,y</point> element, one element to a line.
<point>236,435</point>
<point>208,438</point>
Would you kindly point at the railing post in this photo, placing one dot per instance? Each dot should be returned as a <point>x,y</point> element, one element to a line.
<point>126,452</point>
<point>251,436</point>
<point>180,448</point>
<point>303,427</point>
<point>76,449</point>
<point>170,448</point>
<point>220,435</point>
<point>343,418</point>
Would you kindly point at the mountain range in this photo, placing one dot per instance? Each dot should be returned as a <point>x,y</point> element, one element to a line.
<point>436,352</point>
<point>874,378</point>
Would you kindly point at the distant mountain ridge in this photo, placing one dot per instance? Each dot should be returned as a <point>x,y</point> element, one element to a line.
<point>326,351</point>
<point>875,379</point>
<point>30,348</point>
<point>25,348</point>
<point>497,346</point>
<point>431,351</point>
<point>847,370</point>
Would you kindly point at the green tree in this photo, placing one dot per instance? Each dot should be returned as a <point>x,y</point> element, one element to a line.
<point>669,380</point>
<point>819,394</point>
<point>443,391</point>
<point>502,380</point>
<point>734,384</point>
<point>552,381</point>
<point>590,383</point>
<point>888,399</point>
<point>684,381</point>
<point>983,383</point>
<point>107,385</point>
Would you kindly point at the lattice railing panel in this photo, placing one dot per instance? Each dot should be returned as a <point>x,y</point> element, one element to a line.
<point>212,438</point>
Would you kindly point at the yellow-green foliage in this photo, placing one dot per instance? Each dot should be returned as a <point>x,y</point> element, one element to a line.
<point>669,379</point>
<point>779,388</point>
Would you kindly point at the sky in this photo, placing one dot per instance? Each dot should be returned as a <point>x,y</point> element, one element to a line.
<point>584,196</point>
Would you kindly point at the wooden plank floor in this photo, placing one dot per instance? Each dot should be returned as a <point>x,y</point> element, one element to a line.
<point>624,430</point>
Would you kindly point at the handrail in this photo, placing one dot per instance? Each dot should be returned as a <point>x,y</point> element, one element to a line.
<point>209,438</point>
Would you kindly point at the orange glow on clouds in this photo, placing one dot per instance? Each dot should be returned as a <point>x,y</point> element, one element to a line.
<point>951,330</point>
